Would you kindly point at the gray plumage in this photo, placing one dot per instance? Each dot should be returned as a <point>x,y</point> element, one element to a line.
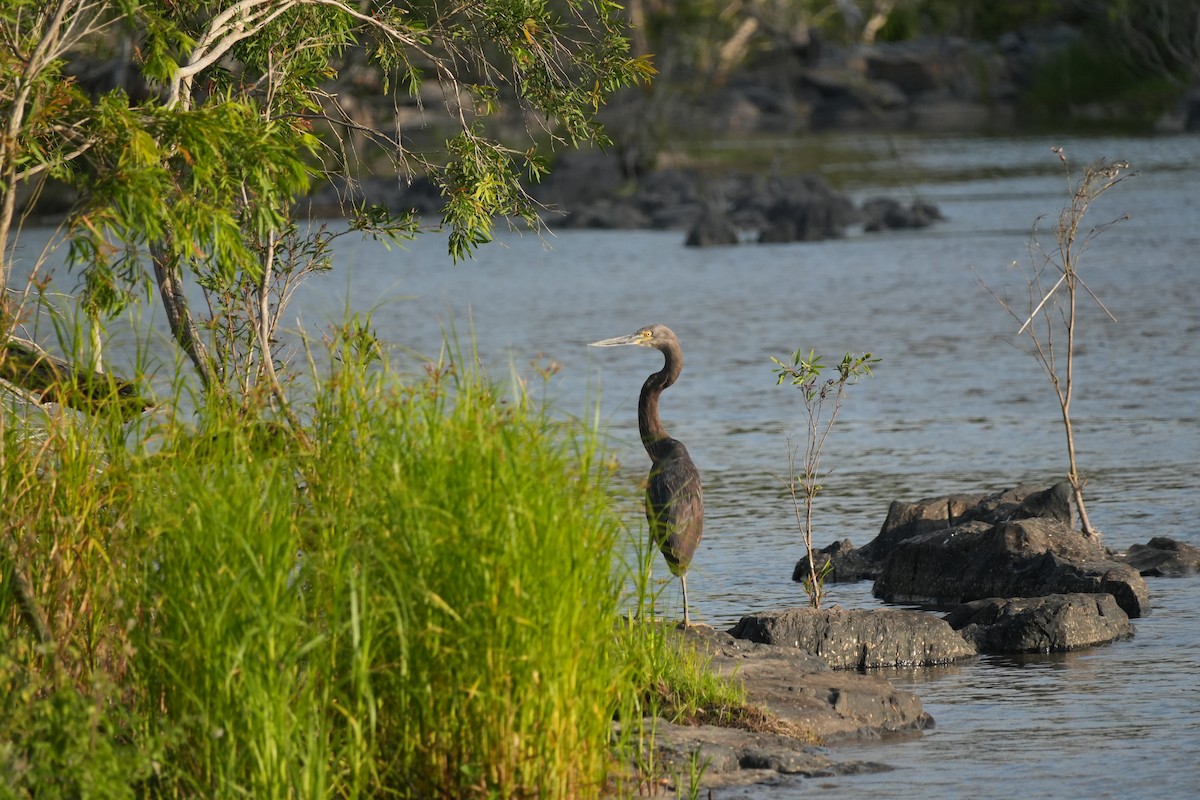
<point>674,497</point>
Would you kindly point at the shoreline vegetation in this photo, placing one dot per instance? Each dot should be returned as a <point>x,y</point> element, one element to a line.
<point>428,599</point>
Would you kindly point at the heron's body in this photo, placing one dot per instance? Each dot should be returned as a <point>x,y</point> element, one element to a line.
<point>674,498</point>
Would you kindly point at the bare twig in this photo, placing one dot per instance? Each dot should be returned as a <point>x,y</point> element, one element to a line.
<point>1063,296</point>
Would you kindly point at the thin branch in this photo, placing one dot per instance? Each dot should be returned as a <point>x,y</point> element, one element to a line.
<point>1043,302</point>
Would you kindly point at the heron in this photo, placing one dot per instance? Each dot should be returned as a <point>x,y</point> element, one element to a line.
<point>674,499</point>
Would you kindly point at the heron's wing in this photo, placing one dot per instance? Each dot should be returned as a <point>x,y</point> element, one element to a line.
<point>675,508</point>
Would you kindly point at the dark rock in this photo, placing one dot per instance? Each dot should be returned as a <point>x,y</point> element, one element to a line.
<point>589,192</point>
<point>1021,558</point>
<point>713,229</point>
<point>750,106</point>
<point>580,178</point>
<point>1163,557</point>
<point>848,564</point>
<point>1052,623</point>
<point>800,220</point>
<point>858,639</point>
<point>905,520</point>
<point>607,215</point>
<point>915,67</point>
<point>885,213</point>
<point>1053,503</point>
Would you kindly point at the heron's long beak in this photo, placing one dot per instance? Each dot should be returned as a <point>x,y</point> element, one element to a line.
<point>632,338</point>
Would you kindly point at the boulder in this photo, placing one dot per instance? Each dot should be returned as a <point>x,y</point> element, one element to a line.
<point>580,178</point>
<point>713,229</point>
<point>849,564</point>
<point>858,639</point>
<point>1021,558</point>
<point>607,214</point>
<point>905,520</point>
<point>921,66</point>
<point>799,687</point>
<point>736,757</point>
<point>1163,557</point>
<point>803,219</point>
<point>886,213</point>
<point>1049,624</point>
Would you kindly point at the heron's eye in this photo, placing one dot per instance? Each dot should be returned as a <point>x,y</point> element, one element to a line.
<point>646,334</point>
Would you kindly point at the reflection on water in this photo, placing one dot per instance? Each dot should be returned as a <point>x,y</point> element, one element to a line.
<point>955,406</point>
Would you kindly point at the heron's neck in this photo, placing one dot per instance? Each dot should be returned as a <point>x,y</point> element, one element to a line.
<point>654,436</point>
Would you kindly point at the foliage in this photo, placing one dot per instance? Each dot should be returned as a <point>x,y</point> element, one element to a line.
<point>190,170</point>
<point>823,398</point>
<point>1054,288</point>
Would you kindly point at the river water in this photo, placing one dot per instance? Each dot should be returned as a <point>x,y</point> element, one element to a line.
<point>956,405</point>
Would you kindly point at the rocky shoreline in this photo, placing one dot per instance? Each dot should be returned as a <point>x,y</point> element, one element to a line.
<point>826,671</point>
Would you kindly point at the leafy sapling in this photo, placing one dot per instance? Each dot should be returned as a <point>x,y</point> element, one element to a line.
<point>823,398</point>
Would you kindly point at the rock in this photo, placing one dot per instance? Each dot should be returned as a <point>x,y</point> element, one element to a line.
<point>1163,557</point>
<point>591,192</point>
<point>713,229</point>
<point>816,209</point>
<point>885,213</point>
<point>734,757</point>
<point>1057,503</point>
<point>607,214</point>
<point>751,106</point>
<point>848,564</point>
<point>921,66</point>
<point>905,520</point>
<point>796,687</point>
<point>799,687</point>
<point>800,220</point>
<point>858,639</point>
<point>580,178</point>
<point>1022,558</point>
<point>1052,623</point>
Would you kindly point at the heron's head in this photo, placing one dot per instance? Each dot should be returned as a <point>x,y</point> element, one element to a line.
<point>659,337</point>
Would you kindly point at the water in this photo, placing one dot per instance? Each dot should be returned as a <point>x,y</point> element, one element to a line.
<point>956,405</point>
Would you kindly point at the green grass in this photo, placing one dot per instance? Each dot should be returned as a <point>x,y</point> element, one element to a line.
<point>425,601</point>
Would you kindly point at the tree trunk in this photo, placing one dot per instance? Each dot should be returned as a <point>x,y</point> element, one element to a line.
<point>170,288</point>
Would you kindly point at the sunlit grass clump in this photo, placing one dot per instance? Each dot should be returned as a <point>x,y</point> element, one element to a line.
<point>422,603</point>
<point>422,595</point>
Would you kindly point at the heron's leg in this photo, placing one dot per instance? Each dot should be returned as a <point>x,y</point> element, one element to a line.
<point>687,623</point>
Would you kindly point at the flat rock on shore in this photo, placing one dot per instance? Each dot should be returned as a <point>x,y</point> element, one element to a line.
<point>835,705</point>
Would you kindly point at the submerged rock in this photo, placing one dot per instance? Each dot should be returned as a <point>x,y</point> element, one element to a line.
<point>1050,624</point>
<point>886,213</point>
<point>858,639</point>
<point>1163,557</point>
